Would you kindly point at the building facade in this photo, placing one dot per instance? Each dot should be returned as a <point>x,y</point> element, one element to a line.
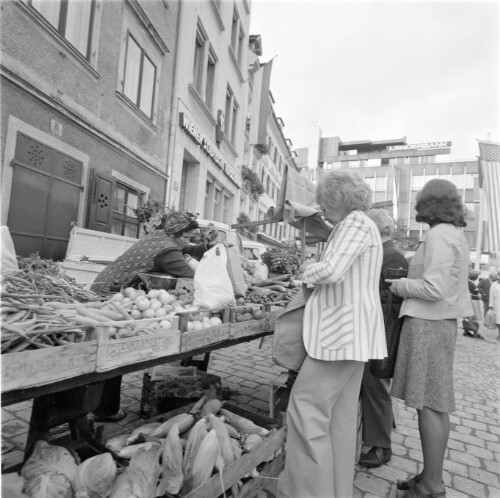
<point>396,171</point>
<point>210,93</point>
<point>86,93</point>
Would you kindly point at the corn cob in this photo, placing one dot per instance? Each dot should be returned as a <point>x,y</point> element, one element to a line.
<point>217,423</point>
<point>143,429</point>
<point>252,441</point>
<point>237,450</point>
<point>204,459</point>
<point>242,424</point>
<point>211,406</point>
<point>183,421</point>
<point>135,449</point>
<point>195,437</point>
<point>232,431</point>
<point>171,468</point>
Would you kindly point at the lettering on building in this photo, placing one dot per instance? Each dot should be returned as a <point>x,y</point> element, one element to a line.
<point>422,146</point>
<point>208,148</point>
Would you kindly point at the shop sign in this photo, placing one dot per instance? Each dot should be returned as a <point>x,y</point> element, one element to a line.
<point>195,133</point>
<point>422,146</point>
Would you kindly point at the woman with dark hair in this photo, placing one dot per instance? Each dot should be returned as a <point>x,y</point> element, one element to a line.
<point>435,294</point>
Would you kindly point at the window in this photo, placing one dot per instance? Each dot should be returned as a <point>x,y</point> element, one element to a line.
<point>218,202</point>
<point>140,77</point>
<point>72,20</point>
<point>204,66</point>
<point>231,116</point>
<point>125,222</point>
<point>237,36</point>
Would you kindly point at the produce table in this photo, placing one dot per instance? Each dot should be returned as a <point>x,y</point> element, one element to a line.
<point>19,395</point>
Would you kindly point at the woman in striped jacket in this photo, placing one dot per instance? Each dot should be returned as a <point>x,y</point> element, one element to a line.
<point>343,328</point>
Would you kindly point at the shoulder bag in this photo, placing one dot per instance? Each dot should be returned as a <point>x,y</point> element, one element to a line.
<point>288,343</point>
<point>384,369</point>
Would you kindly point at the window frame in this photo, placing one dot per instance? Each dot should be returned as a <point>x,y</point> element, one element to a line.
<point>143,55</point>
<point>62,23</point>
<point>123,217</point>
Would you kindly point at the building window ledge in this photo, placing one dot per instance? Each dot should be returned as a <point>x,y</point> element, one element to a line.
<point>236,65</point>
<point>137,111</point>
<point>76,55</point>
<point>217,15</point>
<point>202,104</point>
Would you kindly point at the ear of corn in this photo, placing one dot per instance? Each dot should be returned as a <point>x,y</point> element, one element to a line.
<point>171,469</point>
<point>242,424</point>
<point>183,421</point>
<point>195,437</point>
<point>252,441</point>
<point>211,406</point>
<point>143,429</point>
<point>217,423</point>
<point>204,459</point>
<point>232,431</point>
<point>237,450</point>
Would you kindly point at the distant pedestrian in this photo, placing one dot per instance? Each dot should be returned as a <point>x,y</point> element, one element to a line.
<point>436,294</point>
<point>494,302</point>
<point>484,289</point>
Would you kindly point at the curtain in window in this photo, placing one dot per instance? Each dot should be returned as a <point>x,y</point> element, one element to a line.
<point>132,70</point>
<point>50,9</point>
<point>147,87</point>
<point>78,24</point>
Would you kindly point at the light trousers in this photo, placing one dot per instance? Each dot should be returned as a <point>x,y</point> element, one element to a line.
<point>321,430</point>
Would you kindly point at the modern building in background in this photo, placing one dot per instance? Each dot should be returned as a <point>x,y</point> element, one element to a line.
<point>397,170</point>
<point>86,93</point>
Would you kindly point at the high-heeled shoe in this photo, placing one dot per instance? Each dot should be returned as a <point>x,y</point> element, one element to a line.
<point>409,483</point>
<point>415,492</point>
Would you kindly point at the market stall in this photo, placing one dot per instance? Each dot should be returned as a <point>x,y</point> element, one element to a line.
<point>59,346</point>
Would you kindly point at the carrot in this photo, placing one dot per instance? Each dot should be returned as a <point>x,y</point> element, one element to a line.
<point>120,309</point>
<point>111,314</point>
<point>95,315</point>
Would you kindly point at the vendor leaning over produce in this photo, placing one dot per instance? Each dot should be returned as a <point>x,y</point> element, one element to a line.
<point>161,252</point>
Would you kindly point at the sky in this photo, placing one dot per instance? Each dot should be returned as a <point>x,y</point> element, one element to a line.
<point>376,70</point>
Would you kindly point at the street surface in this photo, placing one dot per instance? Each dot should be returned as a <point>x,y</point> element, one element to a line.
<point>472,463</point>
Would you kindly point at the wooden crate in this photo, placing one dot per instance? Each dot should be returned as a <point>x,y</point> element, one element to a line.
<point>195,339</point>
<point>47,365</point>
<point>113,353</point>
<point>263,453</point>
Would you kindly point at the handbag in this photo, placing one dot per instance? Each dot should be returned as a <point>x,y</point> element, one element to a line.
<point>288,343</point>
<point>490,320</point>
<point>384,369</point>
<point>470,326</point>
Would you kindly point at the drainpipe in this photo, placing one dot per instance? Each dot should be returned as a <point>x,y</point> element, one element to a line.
<point>174,107</point>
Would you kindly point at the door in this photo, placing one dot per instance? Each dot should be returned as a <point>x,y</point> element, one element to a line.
<point>46,189</point>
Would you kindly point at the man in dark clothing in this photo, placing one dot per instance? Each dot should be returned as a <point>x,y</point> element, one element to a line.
<point>375,392</point>
<point>484,289</point>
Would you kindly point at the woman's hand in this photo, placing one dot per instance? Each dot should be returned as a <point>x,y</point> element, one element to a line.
<point>394,285</point>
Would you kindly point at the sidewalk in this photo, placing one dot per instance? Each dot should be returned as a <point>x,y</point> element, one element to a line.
<point>472,463</point>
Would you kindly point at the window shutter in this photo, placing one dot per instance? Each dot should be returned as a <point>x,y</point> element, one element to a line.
<point>101,202</point>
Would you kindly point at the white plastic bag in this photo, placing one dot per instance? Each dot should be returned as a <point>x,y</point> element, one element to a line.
<point>212,285</point>
<point>9,260</point>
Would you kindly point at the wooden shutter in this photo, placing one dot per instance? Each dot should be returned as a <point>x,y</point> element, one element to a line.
<point>102,188</point>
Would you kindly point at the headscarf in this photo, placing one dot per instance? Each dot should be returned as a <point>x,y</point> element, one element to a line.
<point>178,221</point>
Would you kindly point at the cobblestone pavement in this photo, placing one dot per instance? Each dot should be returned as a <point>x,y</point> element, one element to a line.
<point>472,461</point>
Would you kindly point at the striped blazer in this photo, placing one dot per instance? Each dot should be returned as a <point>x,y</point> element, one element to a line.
<point>343,317</point>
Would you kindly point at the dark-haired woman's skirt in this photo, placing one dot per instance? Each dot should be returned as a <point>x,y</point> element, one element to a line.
<point>424,367</point>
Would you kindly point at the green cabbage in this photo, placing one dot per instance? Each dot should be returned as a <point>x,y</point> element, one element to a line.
<point>94,477</point>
